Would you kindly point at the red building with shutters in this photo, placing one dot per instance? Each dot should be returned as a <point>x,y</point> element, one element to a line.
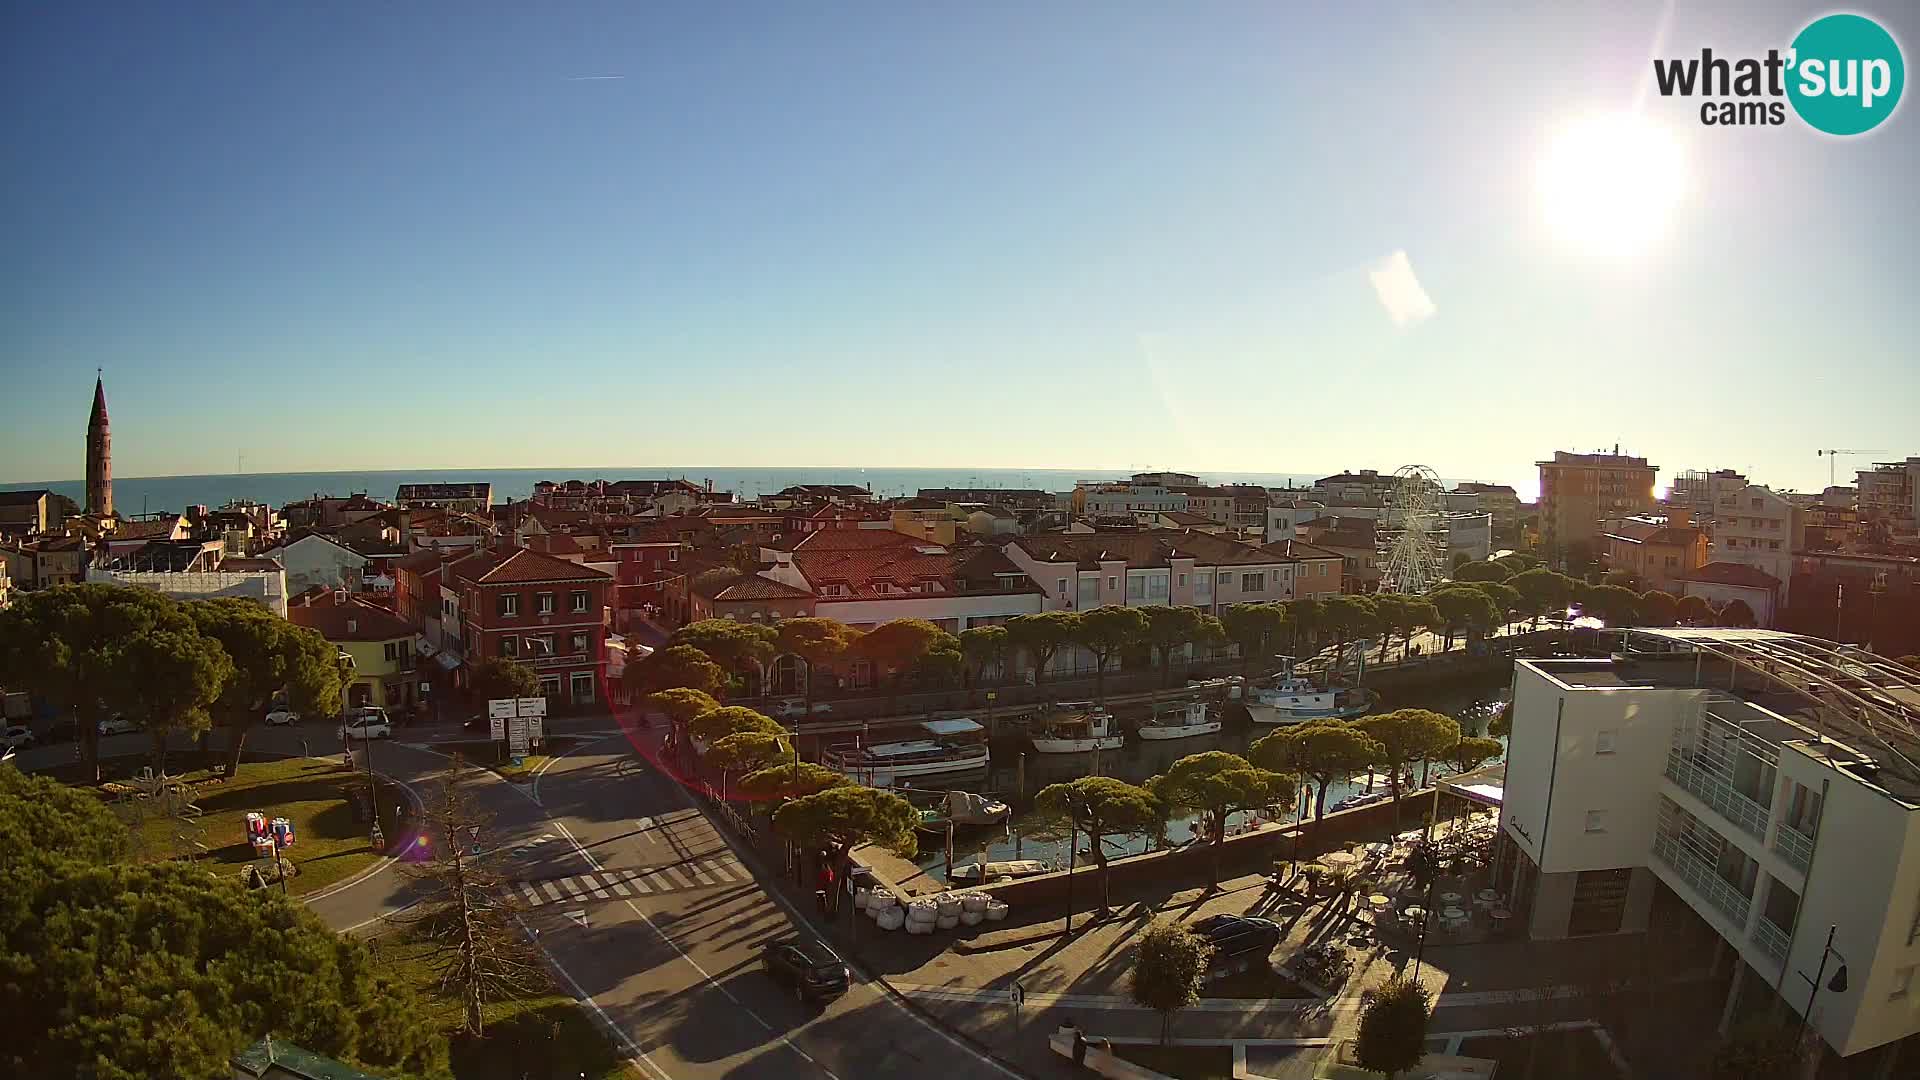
<point>542,611</point>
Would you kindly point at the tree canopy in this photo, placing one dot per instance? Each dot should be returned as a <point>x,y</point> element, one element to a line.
<point>716,724</point>
<point>1255,629</point>
<point>269,654</point>
<point>675,666</point>
<point>1543,591</point>
<point>1658,608</point>
<point>1506,599</point>
<point>681,704</point>
<point>822,643</point>
<point>1406,736</point>
<point>1758,1049</point>
<point>1104,632</point>
<point>1471,752</point>
<point>1393,1027</point>
<point>1042,635</point>
<point>1613,604</point>
<point>897,647</point>
<point>842,817</point>
<point>1214,784</point>
<point>983,647</point>
<point>1463,607</point>
<point>788,780</point>
<point>743,648</point>
<point>1735,613</point>
<point>168,679</point>
<point>746,751</point>
<point>1325,751</point>
<point>1483,571</point>
<point>1169,627</point>
<point>122,971</point>
<point>1169,966</point>
<point>1100,806</point>
<point>1693,610</point>
<point>499,677</point>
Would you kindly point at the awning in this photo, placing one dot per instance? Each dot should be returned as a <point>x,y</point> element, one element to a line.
<point>448,660</point>
<point>957,726</point>
<point>1486,785</point>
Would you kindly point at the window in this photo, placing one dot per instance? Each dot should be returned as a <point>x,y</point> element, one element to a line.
<point>392,651</point>
<point>1060,587</point>
<point>582,687</point>
<point>1773,545</point>
<point>509,646</point>
<point>673,554</point>
<point>579,601</point>
<point>1113,583</point>
<point>1902,982</point>
<point>510,603</point>
<point>1183,581</point>
<point>550,686</point>
<point>1203,585</point>
<point>539,644</point>
<point>580,641</point>
<point>1253,583</point>
<point>1136,587</point>
<point>1603,741</point>
<point>1157,585</point>
<point>1596,821</point>
<point>1323,570</point>
<point>543,603</point>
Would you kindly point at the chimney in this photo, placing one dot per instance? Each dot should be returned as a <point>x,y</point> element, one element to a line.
<point>1680,517</point>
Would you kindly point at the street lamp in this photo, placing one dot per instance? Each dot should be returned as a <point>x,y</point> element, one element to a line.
<point>1837,984</point>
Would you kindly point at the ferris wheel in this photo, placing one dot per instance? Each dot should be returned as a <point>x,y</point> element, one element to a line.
<point>1414,532</point>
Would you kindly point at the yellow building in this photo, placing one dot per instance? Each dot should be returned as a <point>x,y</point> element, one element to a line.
<point>1578,491</point>
<point>924,519</point>
<point>380,642</point>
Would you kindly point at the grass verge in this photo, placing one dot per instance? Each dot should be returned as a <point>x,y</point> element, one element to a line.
<point>1181,1062</point>
<point>331,841</point>
<point>547,1035</point>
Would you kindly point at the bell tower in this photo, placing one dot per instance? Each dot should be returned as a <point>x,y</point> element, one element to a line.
<point>99,454</point>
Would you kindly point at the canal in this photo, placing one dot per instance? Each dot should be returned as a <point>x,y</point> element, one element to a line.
<point>1472,702</point>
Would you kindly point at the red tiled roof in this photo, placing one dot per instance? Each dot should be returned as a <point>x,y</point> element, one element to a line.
<point>1726,573</point>
<point>1150,547</point>
<point>341,617</point>
<point>1646,532</point>
<point>748,587</point>
<point>420,562</point>
<point>520,566</point>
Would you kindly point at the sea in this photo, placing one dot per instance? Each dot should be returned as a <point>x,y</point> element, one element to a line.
<point>154,494</point>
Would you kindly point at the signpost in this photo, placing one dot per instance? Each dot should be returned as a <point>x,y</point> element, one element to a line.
<point>1018,995</point>
<point>519,722</point>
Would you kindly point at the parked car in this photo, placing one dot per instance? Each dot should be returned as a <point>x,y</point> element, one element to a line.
<point>1238,940</point>
<point>367,724</point>
<point>795,709</point>
<point>281,715</point>
<point>118,725</point>
<point>815,972</point>
<point>17,737</point>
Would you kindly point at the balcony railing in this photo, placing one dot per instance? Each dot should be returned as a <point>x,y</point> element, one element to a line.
<point>1794,846</point>
<point>1695,872</point>
<point>1713,789</point>
<point>1772,940</point>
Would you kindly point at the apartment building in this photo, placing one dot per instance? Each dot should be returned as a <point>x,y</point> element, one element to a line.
<point>865,577</point>
<point>1501,502</point>
<point>1578,491</point>
<point>26,513</point>
<point>1766,779</point>
<point>1707,493</point>
<point>381,643</point>
<point>542,611</point>
<point>1135,500</point>
<point>1083,571</point>
<point>472,498</point>
<point>1889,495</point>
<point>1660,551</point>
<point>1760,528</point>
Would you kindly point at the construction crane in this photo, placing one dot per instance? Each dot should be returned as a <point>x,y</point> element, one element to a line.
<point>1829,455</point>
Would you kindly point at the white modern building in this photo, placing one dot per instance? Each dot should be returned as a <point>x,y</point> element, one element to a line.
<point>1768,780</point>
<point>1759,528</point>
<point>268,588</point>
<point>1470,535</point>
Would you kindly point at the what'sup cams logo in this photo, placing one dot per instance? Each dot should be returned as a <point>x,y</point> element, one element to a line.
<point>1843,75</point>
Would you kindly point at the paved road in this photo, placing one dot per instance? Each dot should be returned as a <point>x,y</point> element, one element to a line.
<point>675,966</point>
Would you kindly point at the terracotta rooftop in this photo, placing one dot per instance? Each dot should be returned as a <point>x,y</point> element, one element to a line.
<point>520,566</point>
<point>1726,573</point>
<point>343,617</point>
<point>1148,547</point>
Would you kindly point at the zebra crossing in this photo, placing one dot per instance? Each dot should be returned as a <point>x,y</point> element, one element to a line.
<point>704,872</point>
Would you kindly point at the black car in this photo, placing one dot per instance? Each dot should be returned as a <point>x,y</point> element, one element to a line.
<point>815,972</point>
<point>1234,936</point>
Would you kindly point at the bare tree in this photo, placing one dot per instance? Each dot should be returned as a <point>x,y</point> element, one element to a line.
<point>478,949</point>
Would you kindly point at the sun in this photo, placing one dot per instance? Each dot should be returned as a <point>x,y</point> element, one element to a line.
<point>1608,183</point>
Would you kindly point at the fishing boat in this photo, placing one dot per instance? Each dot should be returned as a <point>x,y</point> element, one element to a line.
<point>1075,727</point>
<point>963,809</point>
<point>952,746</point>
<point>1179,722</point>
<point>1291,699</point>
<point>1012,870</point>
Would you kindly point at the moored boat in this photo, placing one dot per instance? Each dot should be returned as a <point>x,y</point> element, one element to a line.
<point>964,809</point>
<point>1012,870</point>
<point>954,746</point>
<point>1179,722</point>
<point>1075,727</point>
<point>1291,700</point>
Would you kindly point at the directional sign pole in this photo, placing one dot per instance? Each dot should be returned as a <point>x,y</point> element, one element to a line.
<point>1019,995</point>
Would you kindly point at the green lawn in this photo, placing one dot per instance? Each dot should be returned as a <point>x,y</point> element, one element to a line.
<point>1181,1062</point>
<point>1562,1055</point>
<point>549,1035</point>
<point>330,845</point>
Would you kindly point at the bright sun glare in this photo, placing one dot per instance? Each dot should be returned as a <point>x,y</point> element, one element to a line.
<point>1608,183</point>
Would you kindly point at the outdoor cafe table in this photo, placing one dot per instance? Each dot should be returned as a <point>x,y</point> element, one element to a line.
<point>1379,903</point>
<point>1485,898</point>
<point>1500,916</point>
<point>1416,915</point>
<point>1339,858</point>
<point>1450,899</point>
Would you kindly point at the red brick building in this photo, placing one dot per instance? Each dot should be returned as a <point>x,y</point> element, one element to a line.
<point>545,612</point>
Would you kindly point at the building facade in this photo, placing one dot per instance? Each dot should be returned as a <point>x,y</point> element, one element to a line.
<point>1661,552</point>
<point>1758,528</point>
<point>1579,491</point>
<point>1502,503</point>
<point>381,643</point>
<point>1734,769</point>
<point>547,613</point>
<point>472,498</point>
<point>1889,496</point>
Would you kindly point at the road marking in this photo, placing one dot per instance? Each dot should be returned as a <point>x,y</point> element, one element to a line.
<point>715,983</point>
<point>551,891</point>
<point>699,874</point>
<point>672,873</point>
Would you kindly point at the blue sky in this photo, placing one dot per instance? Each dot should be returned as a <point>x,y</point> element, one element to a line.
<point>362,236</point>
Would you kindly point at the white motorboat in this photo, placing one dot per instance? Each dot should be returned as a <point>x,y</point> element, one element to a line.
<point>962,809</point>
<point>1011,870</point>
<point>955,746</point>
<point>1291,700</point>
<point>1179,722</point>
<point>1075,727</point>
